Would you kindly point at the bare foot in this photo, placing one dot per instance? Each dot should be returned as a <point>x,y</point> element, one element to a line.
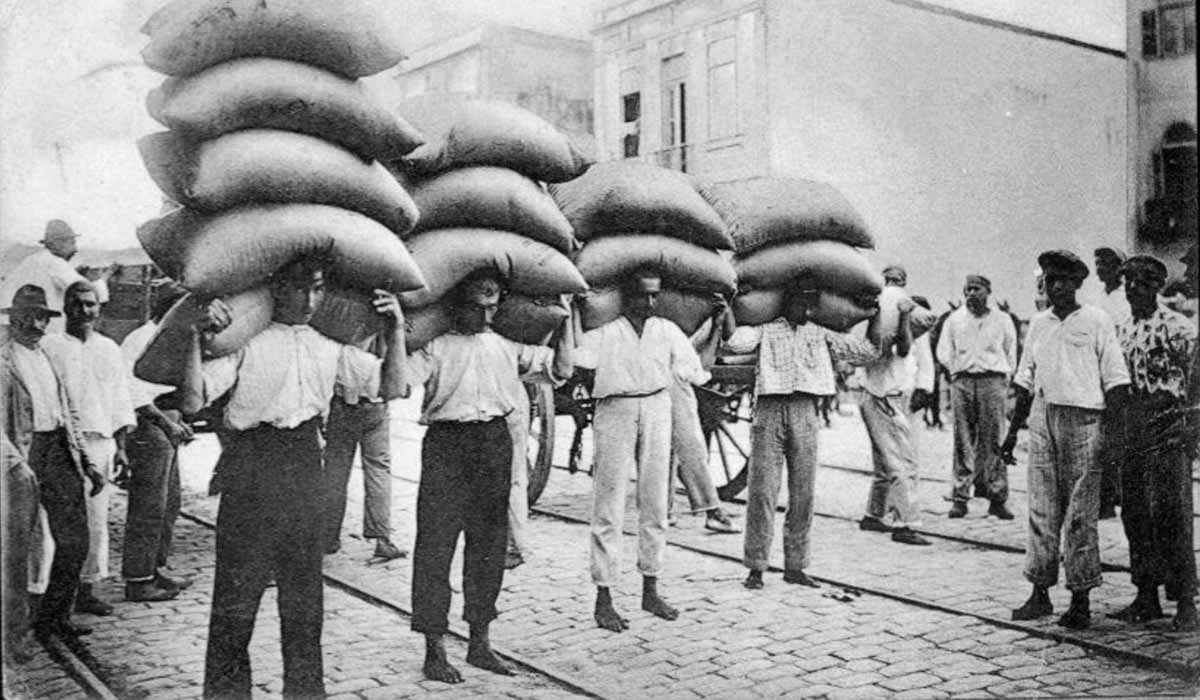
<point>607,618</point>
<point>658,607</point>
<point>441,670</point>
<point>482,657</point>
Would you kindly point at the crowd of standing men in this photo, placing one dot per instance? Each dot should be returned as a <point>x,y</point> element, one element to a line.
<point>1093,390</point>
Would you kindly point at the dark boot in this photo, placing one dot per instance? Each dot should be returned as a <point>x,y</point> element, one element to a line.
<point>87,602</point>
<point>1038,605</point>
<point>1079,615</point>
<point>1145,607</point>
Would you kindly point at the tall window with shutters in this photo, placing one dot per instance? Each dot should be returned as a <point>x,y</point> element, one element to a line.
<point>1175,163</point>
<point>1169,30</point>
<point>631,112</point>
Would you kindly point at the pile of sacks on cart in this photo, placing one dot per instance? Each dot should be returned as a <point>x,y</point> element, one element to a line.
<point>275,148</point>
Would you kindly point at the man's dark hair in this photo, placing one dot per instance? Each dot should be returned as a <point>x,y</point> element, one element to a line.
<point>300,269</point>
<point>77,288</point>
<point>483,279</point>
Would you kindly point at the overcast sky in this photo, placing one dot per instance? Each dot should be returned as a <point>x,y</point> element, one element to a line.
<point>74,91</point>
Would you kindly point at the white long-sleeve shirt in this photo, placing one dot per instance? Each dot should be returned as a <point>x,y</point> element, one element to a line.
<point>96,379</point>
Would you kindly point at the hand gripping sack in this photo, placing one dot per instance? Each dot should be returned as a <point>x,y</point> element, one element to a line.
<point>347,315</point>
<point>689,310</point>
<point>490,197</point>
<point>163,360</point>
<point>830,265</point>
<point>270,93</point>
<point>238,249</point>
<point>920,320</point>
<point>483,132</point>
<point>353,38</point>
<point>764,211</point>
<point>604,262</point>
<point>833,310</point>
<point>627,197</point>
<point>446,256</point>
<point>268,165</point>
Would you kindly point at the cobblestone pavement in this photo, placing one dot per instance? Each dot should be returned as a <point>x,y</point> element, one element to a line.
<point>728,643</point>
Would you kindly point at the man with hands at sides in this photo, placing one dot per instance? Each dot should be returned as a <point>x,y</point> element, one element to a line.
<point>1071,373</point>
<point>269,524</point>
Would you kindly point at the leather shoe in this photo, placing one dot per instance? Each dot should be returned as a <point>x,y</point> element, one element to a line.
<point>90,604</point>
<point>872,524</point>
<point>333,547</point>
<point>1033,608</point>
<point>172,584</point>
<point>718,521</point>
<point>1075,618</point>
<point>958,510</point>
<point>148,592</point>
<point>1000,510</point>
<point>384,549</point>
<point>799,577</point>
<point>1139,611</point>
<point>906,535</point>
<point>513,559</point>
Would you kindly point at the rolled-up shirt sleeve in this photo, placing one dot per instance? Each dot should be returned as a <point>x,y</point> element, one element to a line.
<point>685,361</point>
<point>745,339</point>
<point>1025,368</point>
<point>844,347</point>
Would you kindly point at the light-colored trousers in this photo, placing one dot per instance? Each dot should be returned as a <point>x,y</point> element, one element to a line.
<point>631,434</point>
<point>688,449</point>
<point>893,455</point>
<point>782,435</point>
<point>518,495</point>
<point>979,404</point>
<point>100,450</point>
<point>1064,492</point>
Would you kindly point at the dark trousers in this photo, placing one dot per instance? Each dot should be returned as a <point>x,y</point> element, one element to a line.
<point>62,497</point>
<point>153,501</point>
<point>268,526</point>
<point>20,501</point>
<point>1112,454</point>
<point>465,474</point>
<point>1156,504</point>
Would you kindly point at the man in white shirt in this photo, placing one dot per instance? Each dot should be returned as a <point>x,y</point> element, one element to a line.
<point>50,270</point>
<point>887,382</point>
<point>1072,370</point>
<point>469,374</point>
<point>152,478</point>
<point>1111,299</point>
<point>269,524</point>
<point>41,422</point>
<point>636,357</point>
<point>978,347</point>
<point>96,380</point>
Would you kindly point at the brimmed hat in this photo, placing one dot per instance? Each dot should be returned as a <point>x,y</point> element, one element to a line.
<point>58,230</point>
<point>1065,260</point>
<point>30,297</point>
<point>1147,264</point>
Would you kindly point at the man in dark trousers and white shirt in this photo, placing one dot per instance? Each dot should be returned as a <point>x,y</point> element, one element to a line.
<point>466,463</point>
<point>269,523</point>
<point>978,347</point>
<point>41,423</point>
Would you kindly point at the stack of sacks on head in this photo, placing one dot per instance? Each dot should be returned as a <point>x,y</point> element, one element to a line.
<point>631,215</point>
<point>788,229</point>
<point>478,185</point>
<point>274,151</point>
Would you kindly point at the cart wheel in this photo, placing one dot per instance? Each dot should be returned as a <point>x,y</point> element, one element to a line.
<point>722,409</point>
<point>540,445</point>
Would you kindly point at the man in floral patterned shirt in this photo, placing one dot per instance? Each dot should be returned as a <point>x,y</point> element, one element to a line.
<point>1160,348</point>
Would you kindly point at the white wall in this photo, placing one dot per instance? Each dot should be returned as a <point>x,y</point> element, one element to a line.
<point>967,148</point>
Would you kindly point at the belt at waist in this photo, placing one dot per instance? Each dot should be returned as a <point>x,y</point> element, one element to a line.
<point>310,426</point>
<point>466,423</point>
<point>980,375</point>
<point>631,396</point>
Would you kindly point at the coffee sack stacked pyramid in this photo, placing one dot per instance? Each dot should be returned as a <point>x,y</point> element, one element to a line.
<point>788,229</point>
<point>274,151</point>
<point>478,185</point>
<point>631,215</point>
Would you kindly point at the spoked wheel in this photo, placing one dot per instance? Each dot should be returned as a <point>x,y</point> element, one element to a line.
<point>540,445</point>
<point>725,408</point>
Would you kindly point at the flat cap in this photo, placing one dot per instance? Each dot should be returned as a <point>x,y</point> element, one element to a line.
<point>1147,265</point>
<point>1063,260</point>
